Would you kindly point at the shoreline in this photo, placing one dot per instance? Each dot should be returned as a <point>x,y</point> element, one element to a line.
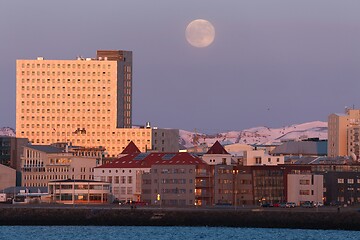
<point>86,216</point>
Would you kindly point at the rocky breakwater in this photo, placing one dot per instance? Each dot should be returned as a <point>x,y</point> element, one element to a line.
<point>349,220</point>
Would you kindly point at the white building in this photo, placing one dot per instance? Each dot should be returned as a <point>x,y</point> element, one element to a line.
<point>217,155</point>
<point>259,157</point>
<point>305,188</point>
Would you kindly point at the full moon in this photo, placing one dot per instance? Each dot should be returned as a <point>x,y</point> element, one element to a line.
<point>200,33</point>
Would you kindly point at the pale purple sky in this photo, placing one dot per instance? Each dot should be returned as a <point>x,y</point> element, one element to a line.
<point>272,63</point>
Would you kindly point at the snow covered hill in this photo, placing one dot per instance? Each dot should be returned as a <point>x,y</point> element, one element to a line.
<point>258,135</point>
<point>6,131</point>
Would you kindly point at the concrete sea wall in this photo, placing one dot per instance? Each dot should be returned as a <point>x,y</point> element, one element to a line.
<point>177,217</point>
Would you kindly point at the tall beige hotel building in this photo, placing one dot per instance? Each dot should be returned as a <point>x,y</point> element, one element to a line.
<point>85,101</point>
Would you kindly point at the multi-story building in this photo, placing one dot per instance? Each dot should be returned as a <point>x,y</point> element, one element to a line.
<point>169,178</point>
<point>343,133</point>
<point>7,177</point>
<point>124,174</point>
<point>79,191</point>
<point>44,163</point>
<point>84,101</point>
<point>259,157</point>
<point>177,179</point>
<point>165,140</point>
<point>303,188</point>
<point>11,149</point>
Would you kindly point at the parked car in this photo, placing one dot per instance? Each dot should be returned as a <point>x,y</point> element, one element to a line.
<point>307,204</point>
<point>277,205</point>
<point>283,205</point>
<point>318,204</point>
<point>290,205</point>
<point>266,205</point>
<point>335,203</point>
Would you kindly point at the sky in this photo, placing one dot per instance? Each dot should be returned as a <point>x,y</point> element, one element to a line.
<point>272,63</point>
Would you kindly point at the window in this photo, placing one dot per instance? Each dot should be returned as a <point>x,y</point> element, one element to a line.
<point>123,179</point>
<point>304,192</point>
<point>117,179</point>
<point>258,160</point>
<point>340,180</point>
<point>350,181</point>
<point>129,179</point>
<point>129,190</point>
<point>304,182</point>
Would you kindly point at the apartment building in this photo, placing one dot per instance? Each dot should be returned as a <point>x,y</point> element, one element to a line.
<point>169,178</point>
<point>259,157</point>
<point>44,163</point>
<point>343,134</point>
<point>177,179</point>
<point>303,188</point>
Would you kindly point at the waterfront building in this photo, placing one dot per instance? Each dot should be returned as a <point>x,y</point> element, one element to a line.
<point>44,163</point>
<point>167,178</point>
<point>7,177</point>
<point>176,179</point>
<point>303,188</point>
<point>124,174</point>
<point>342,187</point>
<point>79,191</point>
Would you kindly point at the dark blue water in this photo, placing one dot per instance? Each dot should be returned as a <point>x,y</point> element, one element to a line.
<point>168,233</point>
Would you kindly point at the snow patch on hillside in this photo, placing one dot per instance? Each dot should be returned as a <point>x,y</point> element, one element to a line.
<point>258,135</point>
<point>7,131</point>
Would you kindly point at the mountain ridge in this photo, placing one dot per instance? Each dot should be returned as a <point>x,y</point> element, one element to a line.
<point>258,135</point>
<point>255,135</point>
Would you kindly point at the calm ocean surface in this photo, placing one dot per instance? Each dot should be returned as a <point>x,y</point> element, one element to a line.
<point>167,233</point>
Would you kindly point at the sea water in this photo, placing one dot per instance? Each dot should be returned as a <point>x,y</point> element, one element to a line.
<point>168,233</point>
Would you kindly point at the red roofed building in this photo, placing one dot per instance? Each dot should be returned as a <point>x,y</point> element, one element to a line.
<point>217,155</point>
<point>130,149</point>
<point>178,178</point>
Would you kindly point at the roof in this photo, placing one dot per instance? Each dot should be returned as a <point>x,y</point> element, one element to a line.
<point>217,148</point>
<point>297,160</point>
<point>131,148</point>
<point>75,181</point>
<point>318,148</point>
<point>46,148</point>
<point>12,190</point>
<point>146,160</point>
